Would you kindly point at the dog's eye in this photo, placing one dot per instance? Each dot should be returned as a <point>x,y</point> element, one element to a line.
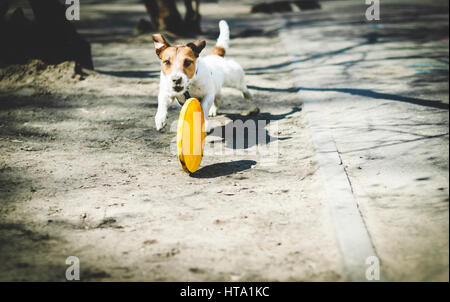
<point>187,63</point>
<point>166,62</point>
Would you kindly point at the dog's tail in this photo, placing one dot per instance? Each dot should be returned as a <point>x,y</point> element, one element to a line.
<point>224,36</point>
<point>223,42</point>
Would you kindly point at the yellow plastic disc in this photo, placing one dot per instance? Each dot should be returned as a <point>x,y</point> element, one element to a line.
<point>191,135</point>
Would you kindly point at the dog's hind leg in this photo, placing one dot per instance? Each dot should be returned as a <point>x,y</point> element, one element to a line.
<point>247,94</point>
<point>248,97</point>
<point>242,86</point>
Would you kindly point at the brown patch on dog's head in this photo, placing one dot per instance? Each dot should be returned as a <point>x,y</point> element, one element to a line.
<point>219,51</point>
<point>182,58</point>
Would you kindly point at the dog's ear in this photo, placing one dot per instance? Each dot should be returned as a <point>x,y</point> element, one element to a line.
<point>160,43</point>
<point>197,46</point>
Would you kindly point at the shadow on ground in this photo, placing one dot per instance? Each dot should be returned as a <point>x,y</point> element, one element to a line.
<point>223,169</point>
<point>244,132</point>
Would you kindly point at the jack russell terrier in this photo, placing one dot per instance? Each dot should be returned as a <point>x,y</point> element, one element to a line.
<point>184,74</point>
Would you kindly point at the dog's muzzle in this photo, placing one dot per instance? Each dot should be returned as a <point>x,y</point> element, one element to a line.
<point>178,88</point>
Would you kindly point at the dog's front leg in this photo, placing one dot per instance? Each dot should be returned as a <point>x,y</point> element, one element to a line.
<point>207,102</point>
<point>164,101</point>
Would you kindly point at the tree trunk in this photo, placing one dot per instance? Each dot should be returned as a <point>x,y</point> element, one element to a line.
<point>56,39</point>
<point>3,10</point>
<point>192,18</point>
<point>165,16</point>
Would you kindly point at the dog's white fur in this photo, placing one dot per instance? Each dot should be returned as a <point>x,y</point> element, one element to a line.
<point>212,73</point>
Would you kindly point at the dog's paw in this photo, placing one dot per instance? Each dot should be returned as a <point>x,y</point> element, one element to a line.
<point>213,111</point>
<point>160,121</point>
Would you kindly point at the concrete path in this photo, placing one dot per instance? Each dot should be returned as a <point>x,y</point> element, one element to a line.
<point>380,90</point>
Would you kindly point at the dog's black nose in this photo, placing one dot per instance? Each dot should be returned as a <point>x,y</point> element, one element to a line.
<point>176,80</point>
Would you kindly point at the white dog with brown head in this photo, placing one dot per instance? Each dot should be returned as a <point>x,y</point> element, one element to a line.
<point>184,74</point>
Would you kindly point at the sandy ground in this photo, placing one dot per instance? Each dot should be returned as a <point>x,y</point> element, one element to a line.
<point>382,89</point>
<point>84,173</point>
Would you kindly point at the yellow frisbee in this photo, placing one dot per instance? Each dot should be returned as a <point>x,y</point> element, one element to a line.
<point>191,135</point>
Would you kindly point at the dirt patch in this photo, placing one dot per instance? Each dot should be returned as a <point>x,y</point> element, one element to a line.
<point>36,73</point>
<point>85,171</point>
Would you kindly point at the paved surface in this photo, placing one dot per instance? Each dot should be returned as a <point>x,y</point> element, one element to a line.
<point>381,89</point>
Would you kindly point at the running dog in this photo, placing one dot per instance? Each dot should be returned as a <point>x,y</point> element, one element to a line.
<point>185,74</point>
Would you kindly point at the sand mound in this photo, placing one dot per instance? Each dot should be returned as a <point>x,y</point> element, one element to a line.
<point>39,74</point>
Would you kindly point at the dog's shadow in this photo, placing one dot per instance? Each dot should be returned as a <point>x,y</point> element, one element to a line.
<point>244,132</point>
<point>223,169</point>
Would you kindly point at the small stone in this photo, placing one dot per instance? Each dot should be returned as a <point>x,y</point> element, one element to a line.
<point>195,270</point>
<point>252,111</point>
